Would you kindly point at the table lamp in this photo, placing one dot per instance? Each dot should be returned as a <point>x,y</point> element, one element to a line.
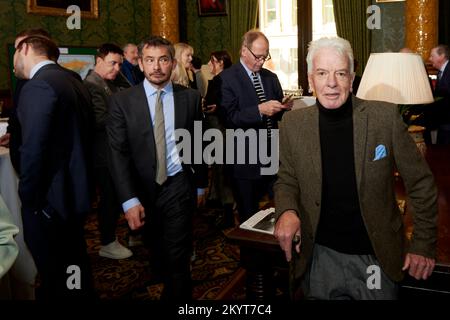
<point>398,78</point>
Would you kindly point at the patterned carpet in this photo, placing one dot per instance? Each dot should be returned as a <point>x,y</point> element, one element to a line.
<point>215,265</point>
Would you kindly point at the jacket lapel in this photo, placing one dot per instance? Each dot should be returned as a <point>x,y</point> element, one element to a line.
<point>359,136</point>
<point>96,79</point>
<point>180,107</point>
<point>247,82</point>
<point>143,117</point>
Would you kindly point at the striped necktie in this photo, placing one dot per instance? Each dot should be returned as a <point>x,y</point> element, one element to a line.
<point>262,98</point>
<point>159,131</point>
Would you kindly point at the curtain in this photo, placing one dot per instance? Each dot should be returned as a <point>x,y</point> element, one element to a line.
<point>444,26</point>
<point>351,18</point>
<point>243,17</point>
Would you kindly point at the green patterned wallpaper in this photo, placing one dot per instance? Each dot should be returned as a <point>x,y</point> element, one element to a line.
<point>122,21</point>
<point>391,36</point>
<point>119,21</point>
<point>206,34</point>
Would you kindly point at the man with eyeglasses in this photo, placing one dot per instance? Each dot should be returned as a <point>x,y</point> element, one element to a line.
<point>155,187</point>
<point>250,99</point>
<point>337,216</point>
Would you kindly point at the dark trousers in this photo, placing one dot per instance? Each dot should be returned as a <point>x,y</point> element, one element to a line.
<point>108,207</point>
<point>248,193</point>
<point>59,251</point>
<point>168,233</point>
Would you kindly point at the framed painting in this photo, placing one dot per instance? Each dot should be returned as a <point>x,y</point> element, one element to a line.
<point>212,8</point>
<point>89,8</point>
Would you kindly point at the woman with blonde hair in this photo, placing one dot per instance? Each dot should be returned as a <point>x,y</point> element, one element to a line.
<point>182,74</point>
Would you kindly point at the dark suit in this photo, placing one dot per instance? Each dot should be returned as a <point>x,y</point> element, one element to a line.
<point>443,116</point>
<point>14,125</point>
<point>168,207</point>
<point>238,105</point>
<point>443,85</point>
<point>299,184</point>
<point>132,73</point>
<point>54,187</point>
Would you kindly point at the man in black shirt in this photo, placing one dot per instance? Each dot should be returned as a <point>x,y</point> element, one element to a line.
<point>335,196</point>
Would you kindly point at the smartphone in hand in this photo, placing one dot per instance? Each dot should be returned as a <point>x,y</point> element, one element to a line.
<point>287,98</point>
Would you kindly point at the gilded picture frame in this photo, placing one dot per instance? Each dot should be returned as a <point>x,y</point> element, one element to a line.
<point>389,0</point>
<point>89,8</point>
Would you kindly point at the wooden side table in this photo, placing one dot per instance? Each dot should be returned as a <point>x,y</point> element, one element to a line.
<point>261,255</point>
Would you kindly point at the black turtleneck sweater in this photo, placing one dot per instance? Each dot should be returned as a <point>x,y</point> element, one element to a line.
<point>341,226</point>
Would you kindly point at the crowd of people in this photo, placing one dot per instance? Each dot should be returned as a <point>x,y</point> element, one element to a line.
<point>111,138</point>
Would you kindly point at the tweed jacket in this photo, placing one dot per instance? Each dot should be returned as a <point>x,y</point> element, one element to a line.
<point>376,125</point>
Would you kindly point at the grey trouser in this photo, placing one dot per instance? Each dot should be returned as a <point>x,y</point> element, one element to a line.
<point>337,276</point>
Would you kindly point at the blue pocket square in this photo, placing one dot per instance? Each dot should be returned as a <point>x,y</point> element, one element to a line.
<point>380,152</point>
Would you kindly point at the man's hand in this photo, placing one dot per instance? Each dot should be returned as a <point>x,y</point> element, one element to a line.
<point>269,108</point>
<point>288,104</point>
<point>4,140</point>
<point>211,108</point>
<point>288,227</point>
<point>135,217</point>
<point>420,267</point>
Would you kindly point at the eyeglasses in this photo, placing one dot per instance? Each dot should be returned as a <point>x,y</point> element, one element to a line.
<point>261,58</point>
<point>162,60</point>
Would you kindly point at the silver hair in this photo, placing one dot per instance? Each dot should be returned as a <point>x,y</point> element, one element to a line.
<point>125,47</point>
<point>341,46</point>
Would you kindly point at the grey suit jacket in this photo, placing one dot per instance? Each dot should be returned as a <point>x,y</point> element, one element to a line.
<point>100,91</point>
<point>375,124</point>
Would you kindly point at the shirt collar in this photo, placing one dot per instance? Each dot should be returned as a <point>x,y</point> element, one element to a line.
<point>151,90</point>
<point>38,66</point>
<point>249,72</point>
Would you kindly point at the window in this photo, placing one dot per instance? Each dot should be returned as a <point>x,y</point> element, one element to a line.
<point>323,19</point>
<point>278,21</point>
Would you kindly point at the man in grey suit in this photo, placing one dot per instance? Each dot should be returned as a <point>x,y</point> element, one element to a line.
<point>100,84</point>
<point>156,189</point>
<point>338,222</point>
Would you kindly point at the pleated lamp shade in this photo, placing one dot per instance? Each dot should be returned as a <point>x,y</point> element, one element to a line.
<point>399,78</point>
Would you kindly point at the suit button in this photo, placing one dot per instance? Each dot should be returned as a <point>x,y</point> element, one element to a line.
<point>317,203</point>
